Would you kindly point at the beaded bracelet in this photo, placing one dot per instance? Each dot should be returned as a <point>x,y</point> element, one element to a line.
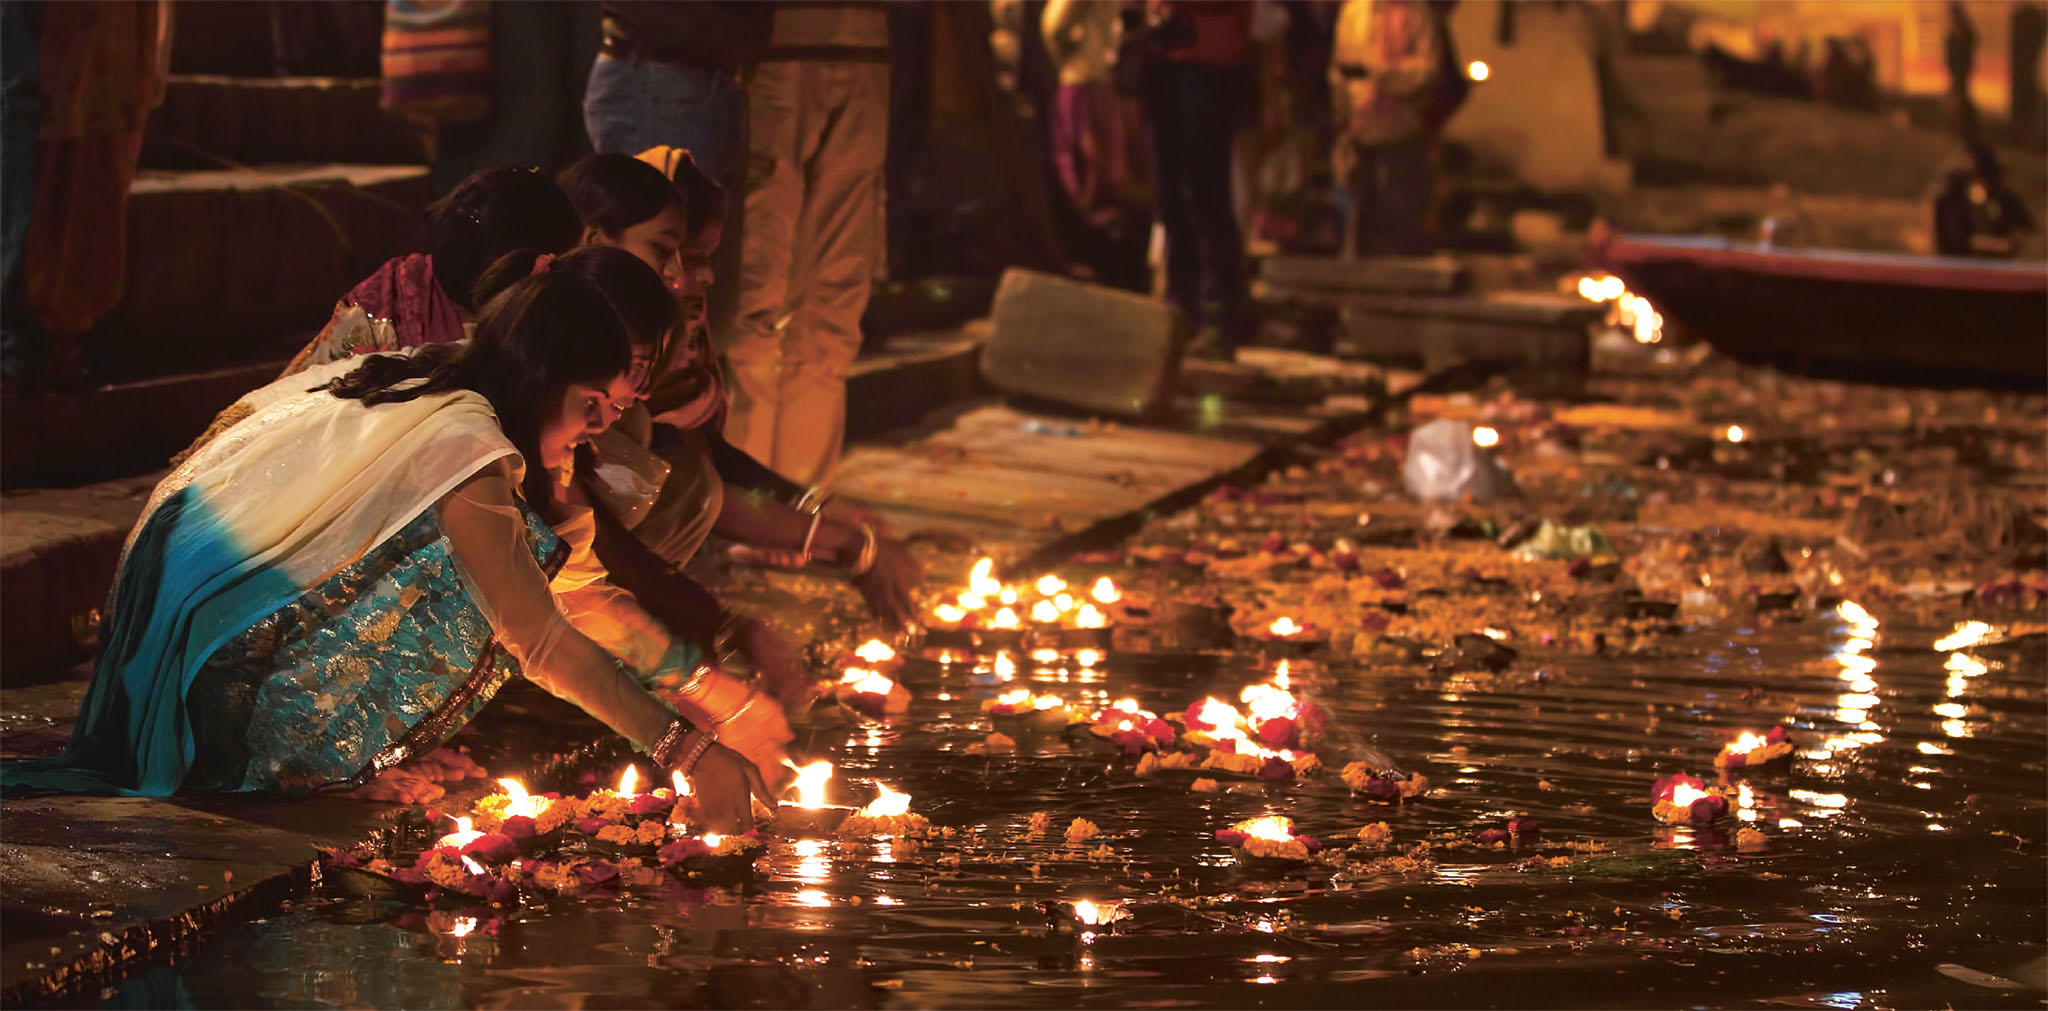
<point>698,746</point>
<point>663,751</point>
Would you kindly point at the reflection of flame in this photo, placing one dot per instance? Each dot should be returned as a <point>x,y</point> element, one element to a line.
<point>1045,655</point>
<point>1283,626</point>
<point>1005,667</point>
<point>1272,828</point>
<point>1089,617</point>
<point>1087,657</point>
<point>1049,585</point>
<point>520,802</point>
<point>682,785</point>
<point>629,782</point>
<point>1014,697</point>
<point>1045,612</point>
<point>1105,592</point>
<point>810,784</point>
<point>888,804</point>
<point>1485,438</point>
<point>1735,433</point>
<point>875,651</point>
<point>1280,674</point>
<point>474,867</point>
<point>462,927</point>
<point>1966,635</point>
<point>1004,618</point>
<point>1853,613</point>
<point>982,579</point>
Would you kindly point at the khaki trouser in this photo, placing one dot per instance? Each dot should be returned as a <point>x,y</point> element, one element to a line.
<point>811,238</point>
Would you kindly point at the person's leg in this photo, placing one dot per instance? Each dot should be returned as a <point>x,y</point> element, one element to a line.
<point>530,57</point>
<point>1221,243</point>
<point>840,235</point>
<point>22,342</point>
<point>1168,117</point>
<point>1404,195</point>
<point>773,199</point>
<point>630,106</point>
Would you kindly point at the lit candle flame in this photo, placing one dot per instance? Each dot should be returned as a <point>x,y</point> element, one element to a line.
<point>1005,667</point>
<point>1089,617</point>
<point>1049,585</point>
<point>1219,714</point>
<point>1683,794</point>
<point>629,781</point>
<point>1004,618</point>
<point>1284,626</point>
<point>712,839</point>
<point>1045,612</point>
<point>474,867</point>
<point>867,682</point>
<point>1014,697</point>
<point>1853,613</point>
<point>1601,289</point>
<point>1478,70</point>
<point>888,804</point>
<point>1008,596</point>
<point>1105,592</point>
<point>1047,702</point>
<point>875,651</point>
<point>1267,702</point>
<point>949,614</point>
<point>1096,914</point>
<point>972,601</point>
<point>462,836</point>
<point>682,785</point>
<point>520,802</point>
<point>1272,828</point>
<point>462,927</point>
<point>809,785</point>
<point>1127,705</point>
<point>982,580</point>
<point>1087,657</point>
<point>1747,743</point>
<point>1065,602</point>
<point>1485,437</point>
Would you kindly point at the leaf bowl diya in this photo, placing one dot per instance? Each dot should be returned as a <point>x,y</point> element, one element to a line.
<point>1750,751</point>
<point>712,857</point>
<point>1385,786</point>
<point>1679,799</point>
<point>1269,841</point>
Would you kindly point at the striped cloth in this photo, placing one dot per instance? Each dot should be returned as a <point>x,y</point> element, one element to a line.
<point>437,59</point>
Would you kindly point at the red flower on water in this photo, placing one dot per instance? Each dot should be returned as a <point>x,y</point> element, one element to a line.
<point>1523,825</point>
<point>1231,837</point>
<point>1490,836</point>
<point>493,848</point>
<point>649,804</point>
<point>1709,808</point>
<point>681,850</point>
<point>1389,579</point>
<point>1276,768</point>
<point>490,888</point>
<point>1281,732</point>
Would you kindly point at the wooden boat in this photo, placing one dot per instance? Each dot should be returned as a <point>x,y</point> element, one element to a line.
<point>1886,316</point>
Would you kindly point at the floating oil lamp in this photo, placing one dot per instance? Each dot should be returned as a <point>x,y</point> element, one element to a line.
<point>1021,703</point>
<point>877,655</point>
<point>1004,630</point>
<point>1269,838</point>
<point>1284,636</point>
<point>1680,799</point>
<point>1131,728</point>
<point>1244,757</point>
<point>810,812</point>
<point>871,694</point>
<point>462,836</point>
<point>1383,785</point>
<point>952,625</point>
<point>1087,627</point>
<point>1090,913</point>
<point>519,814</point>
<point>1751,750</point>
<point>981,579</point>
<point>888,815</point>
<point>1050,585</point>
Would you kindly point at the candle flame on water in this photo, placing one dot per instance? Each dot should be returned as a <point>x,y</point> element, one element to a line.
<point>1272,828</point>
<point>982,579</point>
<point>1045,612</point>
<point>1105,592</point>
<point>810,783</point>
<point>1284,626</point>
<point>867,682</point>
<point>629,781</point>
<point>1089,617</point>
<point>1747,743</point>
<point>888,804</point>
<point>875,651</point>
<point>1004,618</point>
<point>1048,585</point>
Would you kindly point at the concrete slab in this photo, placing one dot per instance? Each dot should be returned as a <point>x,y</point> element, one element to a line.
<point>1401,275</point>
<point>1081,345</point>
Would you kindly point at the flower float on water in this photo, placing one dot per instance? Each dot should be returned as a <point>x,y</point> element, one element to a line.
<point>1679,799</point>
<point>1272,838</point>
<point>1750,750</point>
<point>1385,786</point>
<point>1131,728</point>
<point>1020,702</point>
<point>871,693</point>
<point>888,815</point>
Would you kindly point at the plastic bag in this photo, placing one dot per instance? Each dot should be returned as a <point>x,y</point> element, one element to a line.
<point>1444,465</point>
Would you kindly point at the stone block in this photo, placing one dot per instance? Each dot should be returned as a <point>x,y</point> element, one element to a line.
<point>1539,337</point>
<point>1081,345</point>
<point>209,121</point>
<point>1385,274</point>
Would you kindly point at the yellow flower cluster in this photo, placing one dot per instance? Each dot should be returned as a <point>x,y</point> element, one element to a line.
<point>1292,849</point>
<point>1040,822</point>
<point>867,826</point>
<point>602,804</point>
<point>734,845</point>
<point>1152,763</point>
<point>1082,830</point>
<point>444,868</point>
<point>646,833</point>
<point>557,877</point>
<point>1376,834</point>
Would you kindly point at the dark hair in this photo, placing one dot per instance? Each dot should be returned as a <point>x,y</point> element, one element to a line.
<point>490,214</point>
<point>703,198</point>
<point>648,311</point>
<point>613,192</point>
<point>573,323</point>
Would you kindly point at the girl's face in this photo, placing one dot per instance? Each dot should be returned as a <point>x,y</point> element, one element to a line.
<point>694,257</point>
<point>587,409</point>
<point>656,241</point>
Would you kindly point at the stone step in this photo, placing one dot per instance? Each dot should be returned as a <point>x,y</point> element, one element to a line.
<point>225,266</point>
<point>1539,337</point>
<point>1388,274</point>
<point>210,121</point>
<point>1081,345</point>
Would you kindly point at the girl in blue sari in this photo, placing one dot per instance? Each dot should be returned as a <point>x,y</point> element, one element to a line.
<point>344,577</point>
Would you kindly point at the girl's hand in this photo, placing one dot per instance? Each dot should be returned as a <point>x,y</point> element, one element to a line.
<point>887,587</point>
<point>724,784</point>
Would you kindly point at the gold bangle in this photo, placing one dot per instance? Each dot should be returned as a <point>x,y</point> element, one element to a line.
<point>663,751</point>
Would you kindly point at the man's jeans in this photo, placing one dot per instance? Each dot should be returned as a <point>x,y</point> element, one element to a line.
<point>630,106</point>
<point>22,343</point>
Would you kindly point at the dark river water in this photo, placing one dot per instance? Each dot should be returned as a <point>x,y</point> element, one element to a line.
<point>1903,866</point>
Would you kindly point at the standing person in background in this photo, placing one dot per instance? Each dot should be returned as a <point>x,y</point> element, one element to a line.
<point>497,82</point>
<point>669,74</point>
<point>1096,151</point>
<point>102,66</point>
<point>811,234</point>
<point>1194,90</point>
<point>22,343</point>
<point>1388,72</point>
